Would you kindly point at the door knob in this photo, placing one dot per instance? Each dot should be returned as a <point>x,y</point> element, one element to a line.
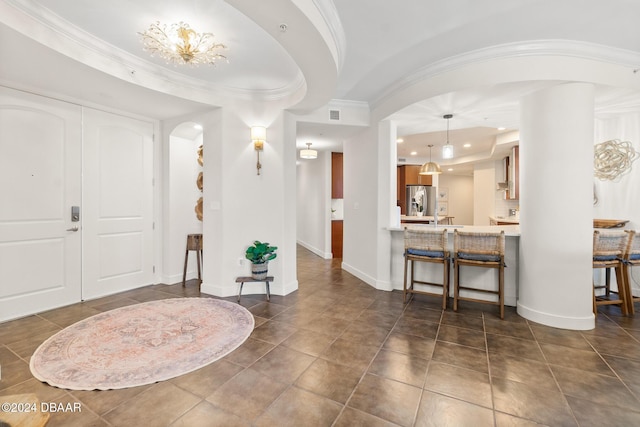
<point>73,229</point>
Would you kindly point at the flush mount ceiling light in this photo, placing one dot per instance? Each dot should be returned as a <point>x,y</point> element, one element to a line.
<point>430,168</point>
<point>308,153</point>
<point>179,44</point>
<point>447,149</point>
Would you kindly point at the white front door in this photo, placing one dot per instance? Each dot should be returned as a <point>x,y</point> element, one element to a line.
<point>40,181</point>
<point>118,203</point>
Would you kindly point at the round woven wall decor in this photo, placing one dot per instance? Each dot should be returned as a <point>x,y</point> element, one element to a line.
<point>612,159</point>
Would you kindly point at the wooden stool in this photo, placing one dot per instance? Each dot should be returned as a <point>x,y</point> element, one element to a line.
<point>426,245</point>
<point>631,259</point>
<point>478,250</point>
<point>194,243</point>
<point>608,252</point>
<point>243,279</point>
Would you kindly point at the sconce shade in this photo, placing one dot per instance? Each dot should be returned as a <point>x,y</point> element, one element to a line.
<point>258,133</point>
<point>308,153</point>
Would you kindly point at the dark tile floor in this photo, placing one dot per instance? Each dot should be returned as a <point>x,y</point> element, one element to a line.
<point>339,353</point>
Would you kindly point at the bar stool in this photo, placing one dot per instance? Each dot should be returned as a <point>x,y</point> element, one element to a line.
<point>484,250</point>
<point>426,245</point>
<point>631,259</point>
<point>608,252</point>
<point>194,243</point>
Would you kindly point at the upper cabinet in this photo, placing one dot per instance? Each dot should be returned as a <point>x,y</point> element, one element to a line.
<point>411,176</point>
<point>336,176</point>
<point>408,175</point>
<point>513,174</point>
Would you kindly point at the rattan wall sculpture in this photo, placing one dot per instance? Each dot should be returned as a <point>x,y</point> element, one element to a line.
<point>198,208</point>
<point>612,159</point>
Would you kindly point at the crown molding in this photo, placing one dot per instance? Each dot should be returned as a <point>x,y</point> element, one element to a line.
<point>565,48</point>
<point>47,28</point>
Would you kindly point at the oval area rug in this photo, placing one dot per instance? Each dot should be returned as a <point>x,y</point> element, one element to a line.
<point>141,344</point>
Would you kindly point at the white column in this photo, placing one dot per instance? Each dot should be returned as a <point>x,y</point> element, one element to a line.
<point>556,212</point>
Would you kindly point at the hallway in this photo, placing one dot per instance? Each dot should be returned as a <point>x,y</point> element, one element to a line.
<point>337,352</point>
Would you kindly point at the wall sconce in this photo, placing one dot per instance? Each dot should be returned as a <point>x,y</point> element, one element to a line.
<point>258,136</point>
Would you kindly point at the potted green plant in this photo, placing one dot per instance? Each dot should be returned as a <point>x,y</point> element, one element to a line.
<point>260,253</point>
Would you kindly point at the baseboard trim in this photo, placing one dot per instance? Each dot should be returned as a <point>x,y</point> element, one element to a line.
<point>378,284</point>
<point>563,322</point>
<point>319,252</point>
<point>249,288</point>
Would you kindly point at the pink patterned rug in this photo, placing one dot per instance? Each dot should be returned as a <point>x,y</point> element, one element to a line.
<point>141,344</point>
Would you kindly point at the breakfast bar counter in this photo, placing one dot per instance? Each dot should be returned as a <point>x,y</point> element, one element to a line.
<point>477,277</point>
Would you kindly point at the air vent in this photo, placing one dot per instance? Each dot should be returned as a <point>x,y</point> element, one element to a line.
<point>402,159</point>
<point>334,114</point>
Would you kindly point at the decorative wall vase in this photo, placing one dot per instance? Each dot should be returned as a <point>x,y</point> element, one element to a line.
<point>199,184</point>
<point>198,209</point>
<point>199,181</point>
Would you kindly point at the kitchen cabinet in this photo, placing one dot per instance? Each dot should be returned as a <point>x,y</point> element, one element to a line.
<point>513,174</point>
<point>408,175</point>
<point>336,238</point>
<point>336,176</point>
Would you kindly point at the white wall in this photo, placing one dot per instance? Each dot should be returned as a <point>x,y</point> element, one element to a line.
<point>241,206</point>
<point>360,244</point>
<point>183,195</point>
<point>620,199</point>
<point>484,184</point>
<point>313,226</point>
<point>460,199</point>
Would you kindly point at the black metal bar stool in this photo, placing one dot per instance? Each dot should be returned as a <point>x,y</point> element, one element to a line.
<point>424,245</point>
<point>478,250</point>
<point>194,243</point>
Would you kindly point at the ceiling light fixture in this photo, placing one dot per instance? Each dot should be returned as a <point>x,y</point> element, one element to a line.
<point>179,44</point>
<point>308,153</point>
<point>447,149</point>
<point>430,168</point>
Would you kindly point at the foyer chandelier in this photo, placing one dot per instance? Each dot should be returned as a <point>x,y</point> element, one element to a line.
<point>178,43</point>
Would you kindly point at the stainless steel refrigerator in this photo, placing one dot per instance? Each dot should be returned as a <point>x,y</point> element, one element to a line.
<point>421,200</point>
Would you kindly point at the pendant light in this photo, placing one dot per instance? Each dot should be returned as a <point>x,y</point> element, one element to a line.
<point>430,168</point>
<point>308,153</point>
<point>447,149</point>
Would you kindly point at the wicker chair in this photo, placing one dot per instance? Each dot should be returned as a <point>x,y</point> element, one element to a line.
<point>478,250</point>
<point>608,252</point>
<point>424,245</point>
<point>631,259</point>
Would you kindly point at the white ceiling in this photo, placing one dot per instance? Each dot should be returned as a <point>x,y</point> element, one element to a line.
<point>379,46</point>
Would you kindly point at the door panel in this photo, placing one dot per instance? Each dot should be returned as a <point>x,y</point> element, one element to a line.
<point>118,203</point>
<point>40,179</point>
